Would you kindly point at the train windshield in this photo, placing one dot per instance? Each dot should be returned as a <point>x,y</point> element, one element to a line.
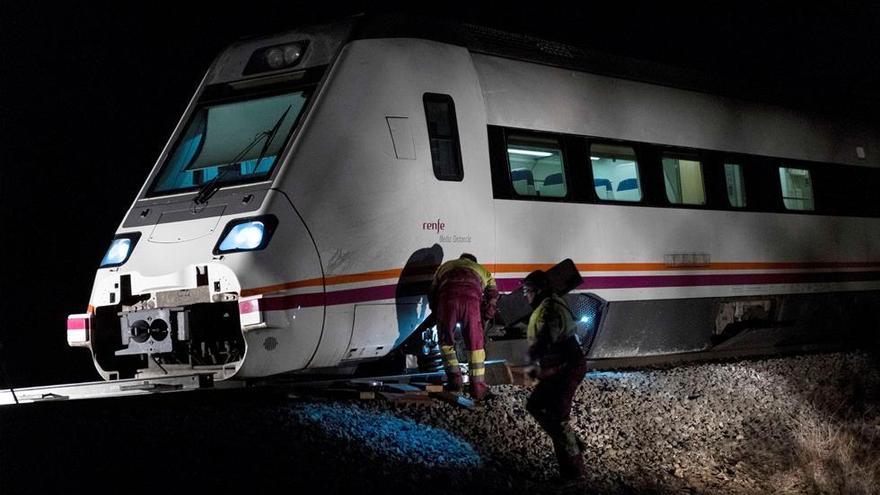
<point>231,143</point>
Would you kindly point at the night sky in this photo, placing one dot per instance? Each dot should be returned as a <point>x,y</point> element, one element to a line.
<point>90,93</point>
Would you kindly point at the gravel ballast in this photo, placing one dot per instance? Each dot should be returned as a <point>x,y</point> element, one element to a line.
<point>803,424</point>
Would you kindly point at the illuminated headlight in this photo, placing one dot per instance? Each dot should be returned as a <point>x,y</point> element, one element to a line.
<point>247,234</point>
<point>120,250</point>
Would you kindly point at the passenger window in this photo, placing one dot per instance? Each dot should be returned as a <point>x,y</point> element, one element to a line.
<point>736,192</point>
<point>797,188</point>
<point>684,180</point>
<point>536,166</point>
<point>615,172</point>
<point>443,136</point>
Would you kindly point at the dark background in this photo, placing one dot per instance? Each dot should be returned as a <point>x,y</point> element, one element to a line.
<point>90,93</point>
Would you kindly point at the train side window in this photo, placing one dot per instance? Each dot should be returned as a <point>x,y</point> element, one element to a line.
<point>443,136</point>
<point>536,166</point>
<point>683,177</point>
<point>615,172</point>
<point>797,188</point>
<point>736,191</point>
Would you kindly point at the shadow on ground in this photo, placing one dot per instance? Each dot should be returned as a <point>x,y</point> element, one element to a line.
<point>227,442</point>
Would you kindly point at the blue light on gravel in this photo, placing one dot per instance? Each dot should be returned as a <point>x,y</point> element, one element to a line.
<point>609,375</point>
<point>389,435</point>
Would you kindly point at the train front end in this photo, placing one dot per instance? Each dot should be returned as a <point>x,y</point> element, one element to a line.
<point>179,289</point>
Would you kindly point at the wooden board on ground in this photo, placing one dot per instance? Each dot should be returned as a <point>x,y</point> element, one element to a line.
<point>454,399</point>
<point>498,374</point>
<point>428,387</point>
<point>519,376</point>
<point>346,393</point>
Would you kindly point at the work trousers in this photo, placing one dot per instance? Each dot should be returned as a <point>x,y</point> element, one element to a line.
<point>458,302</point>
<point>550,404</point>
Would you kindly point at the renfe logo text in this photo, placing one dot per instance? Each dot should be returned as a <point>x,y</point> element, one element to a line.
<point>436,226</point>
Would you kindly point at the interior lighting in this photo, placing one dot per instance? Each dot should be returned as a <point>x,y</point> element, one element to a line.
<point>539,154</point>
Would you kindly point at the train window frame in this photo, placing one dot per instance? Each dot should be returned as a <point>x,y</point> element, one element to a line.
<point>788,202</point>
<point>688,156</point>
<point>224,96</point>
<point>453,137</point>
<point>564,157</point>
<point>640,176</point>
<point>761,183</point>
<point>742,189</point>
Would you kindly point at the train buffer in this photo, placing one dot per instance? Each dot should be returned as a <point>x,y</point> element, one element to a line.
<point>113,388</point>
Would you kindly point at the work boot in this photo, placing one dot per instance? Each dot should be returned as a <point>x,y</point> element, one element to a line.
<point>454,383</point>
<point>479,390</point>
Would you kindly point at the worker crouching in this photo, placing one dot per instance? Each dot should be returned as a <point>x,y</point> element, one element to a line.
<point>464,293</point>
<point>560,365</point>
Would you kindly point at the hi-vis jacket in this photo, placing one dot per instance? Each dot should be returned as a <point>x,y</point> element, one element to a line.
<point>552,329</point>
<point>452,272</point>
<point>486,279</point>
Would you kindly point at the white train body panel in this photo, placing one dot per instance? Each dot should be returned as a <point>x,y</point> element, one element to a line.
<point>529,96</point>
<point>367,207</point>
<point>361,216</point>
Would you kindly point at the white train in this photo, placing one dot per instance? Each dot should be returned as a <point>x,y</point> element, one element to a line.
<point>318,177</point>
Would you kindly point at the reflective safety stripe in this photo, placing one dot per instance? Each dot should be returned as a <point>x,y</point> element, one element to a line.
<point>477,364</point>
<point>478,356</point>
<point>449,356</point>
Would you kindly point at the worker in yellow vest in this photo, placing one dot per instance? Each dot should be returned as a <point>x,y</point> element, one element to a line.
<point>560,364</point>
<point>464,294</point>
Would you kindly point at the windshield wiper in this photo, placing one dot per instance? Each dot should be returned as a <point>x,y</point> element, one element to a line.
<point>209,188</point>
<point>271,136</point>
<point>212,186</point>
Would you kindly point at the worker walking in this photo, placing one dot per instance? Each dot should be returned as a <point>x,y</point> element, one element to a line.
<point>560,365</point>
<point>463,293</point>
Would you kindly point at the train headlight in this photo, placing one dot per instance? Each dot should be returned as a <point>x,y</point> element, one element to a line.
<point>275,57</point>
<point>246,234</point>
<point>120,249</point>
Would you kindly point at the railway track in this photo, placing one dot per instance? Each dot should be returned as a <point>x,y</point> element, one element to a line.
<point>407,386</point>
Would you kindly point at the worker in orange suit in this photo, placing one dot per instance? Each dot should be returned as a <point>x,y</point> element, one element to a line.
<point>463,293</point>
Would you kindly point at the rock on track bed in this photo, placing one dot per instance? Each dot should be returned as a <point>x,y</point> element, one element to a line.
<point>804,424</point>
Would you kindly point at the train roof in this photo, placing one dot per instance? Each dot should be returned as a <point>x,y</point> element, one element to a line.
<point>327,38</point>
<point>523,47</point>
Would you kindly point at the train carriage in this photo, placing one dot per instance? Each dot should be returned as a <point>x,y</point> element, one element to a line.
<point>318,177</point>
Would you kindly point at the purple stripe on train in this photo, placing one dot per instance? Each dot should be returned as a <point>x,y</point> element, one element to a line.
<point>383,292</point>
